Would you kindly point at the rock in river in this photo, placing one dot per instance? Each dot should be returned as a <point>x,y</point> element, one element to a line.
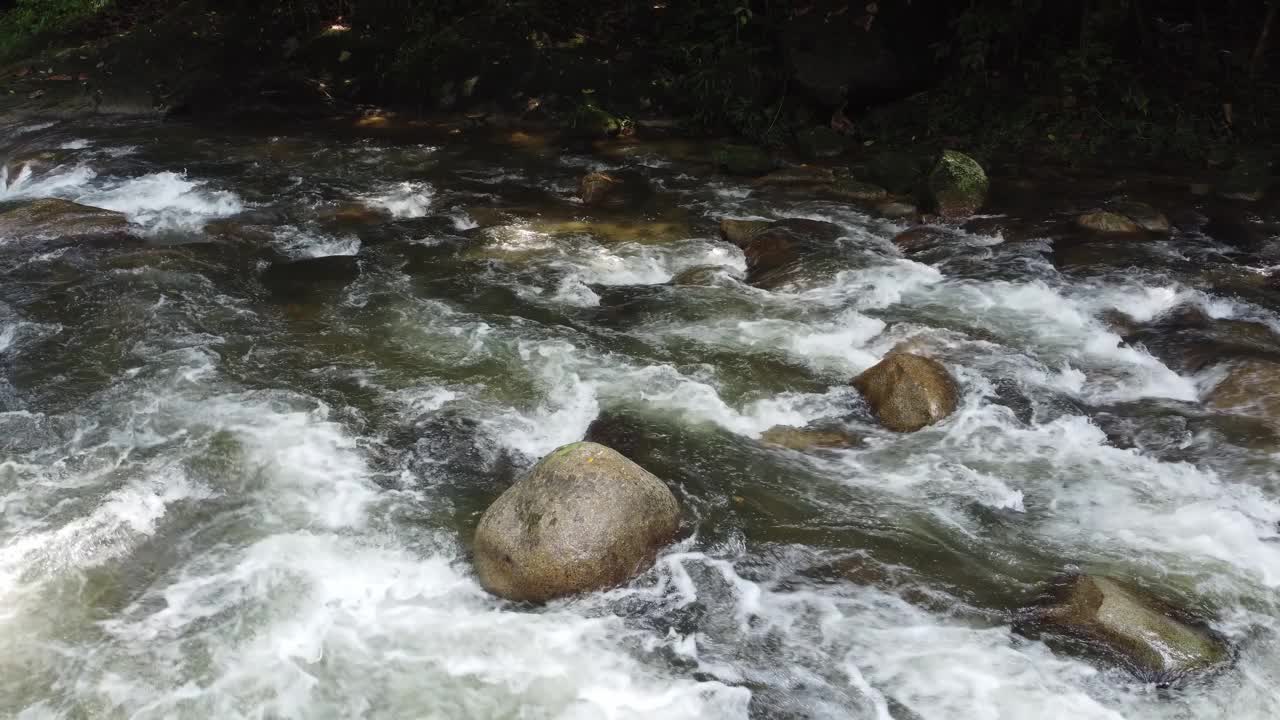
<point>1132,627</point>
<point>774,251</point>
<point>1125,218</point>
<point>61,217</point>
<point>1251,387</point>
<point>908,392</point>
<point>957,185</point>
<point>595,187</point>
<point>584,518</point>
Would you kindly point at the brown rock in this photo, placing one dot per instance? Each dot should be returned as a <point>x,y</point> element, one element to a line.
<point>739,232</point>
<point>856,191</point>
<point>794,438</point>
<point>1251,387</point>
<point>596,187</point>
<point>1125,218</point>
<point>908,392</point>
<point>1103,221</point>
<point>775,252</point>
<point>584,518</point>
<point>801,175</point>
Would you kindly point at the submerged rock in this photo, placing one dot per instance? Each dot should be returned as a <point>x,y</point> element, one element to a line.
<point>922,239</point>
<point>908,392</point>
<point>595,187</point>
<point>300,279</point>
<point>739,232</point>
<point>1188,340</point>
<point>742,159</point>
<point>809,438</point>
<point>702,275</point>
<point>896,210</point>
<point>584,518</point>
<point>61,217</point>
<point>1125,218</point>
<point>857,191</point>
<point>1251,387</point>
<point>1103,221</point>
<point>957,185</point>
<point>797,175</point>
<point>775,250</point>
<point>1129,626</point>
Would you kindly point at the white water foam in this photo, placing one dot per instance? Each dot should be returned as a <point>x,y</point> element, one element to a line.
<point>299,243</point>
<point>164,201</point>
<point>407,199</point>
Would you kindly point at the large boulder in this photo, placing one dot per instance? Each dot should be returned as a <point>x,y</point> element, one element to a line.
<point>54,217</point>
<point>775,251</point>
<point>908,392</point>
<point>1139,631</point>
<point>957,185</point>
<point>584,518</point>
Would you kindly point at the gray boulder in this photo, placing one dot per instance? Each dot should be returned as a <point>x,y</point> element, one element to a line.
<point>584,518</point>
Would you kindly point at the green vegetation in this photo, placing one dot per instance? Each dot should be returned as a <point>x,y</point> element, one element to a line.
<point>1126,80</point>
<point>28,20</point>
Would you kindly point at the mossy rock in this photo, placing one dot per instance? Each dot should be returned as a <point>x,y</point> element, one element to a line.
<point>742,159</point>
<point>957,185</point>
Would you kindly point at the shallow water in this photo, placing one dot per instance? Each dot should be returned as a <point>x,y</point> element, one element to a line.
<point>221,502</point>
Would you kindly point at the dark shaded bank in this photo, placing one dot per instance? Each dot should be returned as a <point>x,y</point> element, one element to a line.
<point>1112,81</point>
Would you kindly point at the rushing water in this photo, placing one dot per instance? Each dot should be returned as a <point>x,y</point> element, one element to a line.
<point>218,502</point>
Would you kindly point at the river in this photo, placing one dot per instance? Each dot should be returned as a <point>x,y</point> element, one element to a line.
<point>226,496</point>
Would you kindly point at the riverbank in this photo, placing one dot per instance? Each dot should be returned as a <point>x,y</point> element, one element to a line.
<point>817,82</point>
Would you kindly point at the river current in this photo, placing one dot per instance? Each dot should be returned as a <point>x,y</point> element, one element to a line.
<point>221,500</point>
